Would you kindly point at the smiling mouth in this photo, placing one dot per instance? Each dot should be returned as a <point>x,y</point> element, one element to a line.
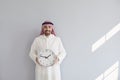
<point>47,31</point>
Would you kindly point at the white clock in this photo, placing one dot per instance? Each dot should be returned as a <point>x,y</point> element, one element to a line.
<point>46,57</point>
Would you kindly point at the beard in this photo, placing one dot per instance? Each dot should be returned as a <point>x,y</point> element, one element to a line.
<point>47,32</point>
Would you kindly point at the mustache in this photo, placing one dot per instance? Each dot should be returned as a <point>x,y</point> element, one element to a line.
<point>47,30</point>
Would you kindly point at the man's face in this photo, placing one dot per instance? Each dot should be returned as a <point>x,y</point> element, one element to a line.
<point>47,28</point>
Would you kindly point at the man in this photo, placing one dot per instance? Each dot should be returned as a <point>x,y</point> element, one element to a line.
<point>47,40</point>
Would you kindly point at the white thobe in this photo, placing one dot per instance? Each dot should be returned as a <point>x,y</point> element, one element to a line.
<point>53,43</point>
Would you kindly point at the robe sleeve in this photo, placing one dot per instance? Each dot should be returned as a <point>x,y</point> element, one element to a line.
<point>62,52</point>
<point>33,51</point>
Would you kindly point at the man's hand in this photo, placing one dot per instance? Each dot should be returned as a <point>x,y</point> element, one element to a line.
<point>57,59</point>
<point>37,60</point>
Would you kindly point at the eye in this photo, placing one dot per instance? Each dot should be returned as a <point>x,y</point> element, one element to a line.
<point>49,26</point>
<point>45,26</point>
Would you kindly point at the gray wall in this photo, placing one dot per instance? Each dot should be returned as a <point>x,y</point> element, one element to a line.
<point>80,23</point>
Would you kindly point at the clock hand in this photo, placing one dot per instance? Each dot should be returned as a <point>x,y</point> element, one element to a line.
<point>45,56</point>
<point>42,56</point>
<point>48,55</point>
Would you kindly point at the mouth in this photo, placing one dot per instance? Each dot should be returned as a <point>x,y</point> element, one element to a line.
<point>47,31</point>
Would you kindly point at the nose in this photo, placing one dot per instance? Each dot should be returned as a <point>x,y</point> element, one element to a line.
<point>47,27</point>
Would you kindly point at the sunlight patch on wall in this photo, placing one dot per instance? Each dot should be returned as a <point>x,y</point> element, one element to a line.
<point>111,73</point>
<point>106,37</point>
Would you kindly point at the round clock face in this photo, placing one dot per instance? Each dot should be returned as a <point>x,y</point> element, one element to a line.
<point>46,57</point>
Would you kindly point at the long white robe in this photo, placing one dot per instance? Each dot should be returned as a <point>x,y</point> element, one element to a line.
<point>55,44</point>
